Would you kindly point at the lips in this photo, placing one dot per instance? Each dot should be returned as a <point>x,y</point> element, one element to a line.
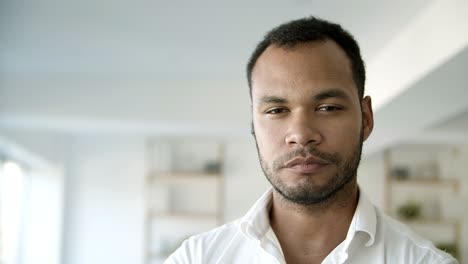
<point>306,165</point>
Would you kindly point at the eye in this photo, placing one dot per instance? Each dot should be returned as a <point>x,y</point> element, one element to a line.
<point>275,111</point>
<point>329,108</point>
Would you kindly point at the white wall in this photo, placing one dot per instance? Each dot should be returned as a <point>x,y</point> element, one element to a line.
<point>43,218</point>
<point>105,201</point>
<point>245,181</point>
<point>371,178</point>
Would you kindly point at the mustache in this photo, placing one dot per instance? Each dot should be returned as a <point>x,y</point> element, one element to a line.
<point>280,162</point>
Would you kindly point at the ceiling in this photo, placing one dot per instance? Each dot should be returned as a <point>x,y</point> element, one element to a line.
<point>172,39</point>
<point>456,123</point>
<point>177,67</point>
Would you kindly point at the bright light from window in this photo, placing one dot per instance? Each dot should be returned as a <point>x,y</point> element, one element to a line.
<point>11,189</point>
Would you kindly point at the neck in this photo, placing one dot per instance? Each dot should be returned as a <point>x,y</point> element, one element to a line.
<point>315,229</point>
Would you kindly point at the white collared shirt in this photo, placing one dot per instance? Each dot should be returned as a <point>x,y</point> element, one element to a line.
<point>372,238</point>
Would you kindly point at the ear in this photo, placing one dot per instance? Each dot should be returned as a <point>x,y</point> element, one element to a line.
<point>367,117</point>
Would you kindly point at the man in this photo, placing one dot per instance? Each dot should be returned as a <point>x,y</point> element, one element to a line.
<point>310,118</point>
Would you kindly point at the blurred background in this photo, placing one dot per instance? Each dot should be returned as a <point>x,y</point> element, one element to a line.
<point>124,125</point>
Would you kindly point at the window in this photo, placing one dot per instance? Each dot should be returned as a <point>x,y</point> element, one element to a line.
<point>11,210</point>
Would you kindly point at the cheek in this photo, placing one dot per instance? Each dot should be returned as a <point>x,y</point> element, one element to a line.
<point>269,138</point>
<point>342,135</point>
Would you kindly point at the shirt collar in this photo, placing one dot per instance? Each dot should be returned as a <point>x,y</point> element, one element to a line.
<point>256,221</point>
<point>364,220</point>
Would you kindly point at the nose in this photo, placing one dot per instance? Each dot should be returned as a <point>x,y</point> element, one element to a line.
<point>302,131</point>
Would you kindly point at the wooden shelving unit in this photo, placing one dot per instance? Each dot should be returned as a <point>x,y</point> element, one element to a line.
<point>412,182</point>
<point>448,183</point>
<point>173,181</point>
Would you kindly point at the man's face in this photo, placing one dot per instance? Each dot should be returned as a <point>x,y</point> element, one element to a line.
<point>307,118</point>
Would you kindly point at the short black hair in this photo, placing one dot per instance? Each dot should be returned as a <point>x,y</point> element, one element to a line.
<point>311,29</point>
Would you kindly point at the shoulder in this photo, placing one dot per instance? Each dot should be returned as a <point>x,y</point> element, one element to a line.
<point>202,247</point>
<point>402,241</point>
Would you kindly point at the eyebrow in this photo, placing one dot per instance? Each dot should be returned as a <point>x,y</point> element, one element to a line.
<point>271,99</point>
<point>331,93</point>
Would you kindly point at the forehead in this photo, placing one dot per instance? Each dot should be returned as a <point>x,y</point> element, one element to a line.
<point>319,64</point>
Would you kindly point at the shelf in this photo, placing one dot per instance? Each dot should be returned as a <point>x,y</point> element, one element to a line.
<point>412,160</point>
<point>447,222</point>
<point>181,199</point>
<point>427,182</point>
